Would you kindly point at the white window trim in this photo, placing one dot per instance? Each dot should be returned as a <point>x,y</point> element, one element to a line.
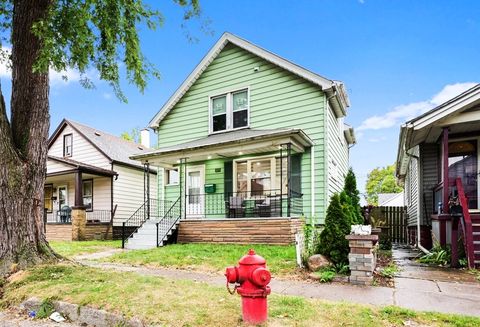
<point>167,179</point>
<point>273,167</point>
<point>229,111</point>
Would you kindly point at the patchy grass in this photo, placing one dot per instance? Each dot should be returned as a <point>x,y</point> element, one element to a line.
<point>386,269</point>
<point>209,257</point>
<point>167,302</point>
<point>70,249</point>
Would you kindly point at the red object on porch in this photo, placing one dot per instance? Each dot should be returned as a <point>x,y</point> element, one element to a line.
<point>251,280</point>
<point>467,229</point>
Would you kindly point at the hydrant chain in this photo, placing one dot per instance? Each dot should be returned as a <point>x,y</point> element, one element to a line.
<point>251,278</point>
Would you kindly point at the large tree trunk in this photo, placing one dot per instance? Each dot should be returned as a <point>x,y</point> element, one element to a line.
<point>23,147</point>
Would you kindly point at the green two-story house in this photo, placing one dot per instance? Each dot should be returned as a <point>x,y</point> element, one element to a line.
<point>248,144</point>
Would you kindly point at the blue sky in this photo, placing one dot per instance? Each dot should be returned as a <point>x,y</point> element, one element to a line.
<point>397,58</point>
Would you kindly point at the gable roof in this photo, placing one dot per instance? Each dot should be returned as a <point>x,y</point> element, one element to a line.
<point>416,130</point>
<point>114,148</point>
<point>334,89</point>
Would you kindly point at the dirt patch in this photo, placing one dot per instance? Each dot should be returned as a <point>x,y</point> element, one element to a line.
<point>384,261</point>
<point>18,276</point>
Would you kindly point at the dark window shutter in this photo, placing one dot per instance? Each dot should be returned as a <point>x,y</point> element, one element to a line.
<point>228,177</point>
<point>296,177</point>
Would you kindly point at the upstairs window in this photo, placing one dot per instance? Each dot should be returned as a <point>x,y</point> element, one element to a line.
<point>67,145</point>
<point>229,111</point>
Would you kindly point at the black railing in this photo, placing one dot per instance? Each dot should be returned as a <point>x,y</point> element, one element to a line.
<point>151,209</point>
<point>99,216</point>
<point>64,216</point>
<point>265,203</point>
<point>171,217</point>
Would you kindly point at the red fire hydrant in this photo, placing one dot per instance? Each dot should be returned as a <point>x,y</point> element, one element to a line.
<point>251,279</point>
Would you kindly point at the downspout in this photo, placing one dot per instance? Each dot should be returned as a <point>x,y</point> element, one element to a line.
<point>419,210</point>
<point>325,121</point>
<point>312,181</point>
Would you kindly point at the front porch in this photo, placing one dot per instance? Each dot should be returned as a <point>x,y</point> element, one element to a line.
<point>245,182</point>
<point>78,201</point>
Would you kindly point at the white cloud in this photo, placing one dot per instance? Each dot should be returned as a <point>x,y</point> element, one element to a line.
<point>107,95</point>
<point>56,78</point>
<point>408,111</point>
<point>361,2</point>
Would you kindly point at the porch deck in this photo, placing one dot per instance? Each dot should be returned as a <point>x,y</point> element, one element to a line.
<point>275,231</point>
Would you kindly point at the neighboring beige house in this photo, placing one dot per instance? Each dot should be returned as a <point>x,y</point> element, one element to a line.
<point>91,167</point>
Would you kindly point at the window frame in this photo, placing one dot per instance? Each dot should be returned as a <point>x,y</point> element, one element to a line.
<point>249,160</point>
<point>167,176</point>
<point>51,197</point>
<point>229,110</point>
<point>65,154</point>
<point>83,195</point>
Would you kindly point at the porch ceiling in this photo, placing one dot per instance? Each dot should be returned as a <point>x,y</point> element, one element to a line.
<point>229,145</point>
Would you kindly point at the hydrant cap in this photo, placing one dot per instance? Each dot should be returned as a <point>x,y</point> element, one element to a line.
<point>252,259</point>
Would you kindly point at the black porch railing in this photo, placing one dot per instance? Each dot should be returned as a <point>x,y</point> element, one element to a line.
<point>266,203</point>
<point>64,216</point>
<point>168,221</point>
<point>151,209</point>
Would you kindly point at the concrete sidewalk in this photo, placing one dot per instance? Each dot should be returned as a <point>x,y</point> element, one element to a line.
<point>417,294</point>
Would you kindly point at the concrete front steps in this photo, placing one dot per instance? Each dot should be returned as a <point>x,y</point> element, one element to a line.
<point>146,236</point>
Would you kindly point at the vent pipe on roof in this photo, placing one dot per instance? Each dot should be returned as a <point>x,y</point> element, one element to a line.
<point>145,137</point>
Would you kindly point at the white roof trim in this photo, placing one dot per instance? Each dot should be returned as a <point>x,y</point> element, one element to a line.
<point>429,118</point>
<point>446,109</point>
<point>323,82</point>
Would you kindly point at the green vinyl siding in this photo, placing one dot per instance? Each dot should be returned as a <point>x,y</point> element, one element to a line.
<point>278,99</point>
<point>337,154</point>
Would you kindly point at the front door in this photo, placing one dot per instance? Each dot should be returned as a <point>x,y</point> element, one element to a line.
<point>195,197</point>
<point>62,197</point>
<point>463,163</point>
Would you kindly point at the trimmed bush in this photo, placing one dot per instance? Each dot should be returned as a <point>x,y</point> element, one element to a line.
<point>350,189</point>
<point>332,239</point>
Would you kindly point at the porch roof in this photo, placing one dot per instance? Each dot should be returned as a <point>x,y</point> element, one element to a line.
<point>77,165</point>
<point>229,144</point>
<point>460,114</point>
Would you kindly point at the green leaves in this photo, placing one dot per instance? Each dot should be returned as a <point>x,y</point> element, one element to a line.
<point>101,35</point>
<point>381,180</point>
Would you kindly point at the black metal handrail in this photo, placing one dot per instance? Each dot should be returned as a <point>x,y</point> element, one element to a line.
<point>264,203</point>
<point>151,209</point>
<point>99,216</point>
<point>171,217</point>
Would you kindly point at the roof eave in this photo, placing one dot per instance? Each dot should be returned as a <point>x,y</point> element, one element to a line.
<point>321,81</point>
<point>308,141</point>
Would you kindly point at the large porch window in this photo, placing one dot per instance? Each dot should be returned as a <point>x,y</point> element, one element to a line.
<point>463,163</point>
<point>262,175</point>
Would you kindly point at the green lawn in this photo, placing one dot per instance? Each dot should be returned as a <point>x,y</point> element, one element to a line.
<point>167,302</point>
<point>71,249</point>
<point>209,257</point>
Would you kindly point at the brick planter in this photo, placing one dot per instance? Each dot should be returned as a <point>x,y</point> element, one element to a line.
<point>362,258</point>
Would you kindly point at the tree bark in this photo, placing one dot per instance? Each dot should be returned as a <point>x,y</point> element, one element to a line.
<point>23,147</point>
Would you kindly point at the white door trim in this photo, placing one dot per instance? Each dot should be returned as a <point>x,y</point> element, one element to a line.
<point>66,195</point>
<point>195,210</point>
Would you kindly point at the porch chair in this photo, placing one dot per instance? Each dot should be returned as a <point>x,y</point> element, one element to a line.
<point>235,207</point>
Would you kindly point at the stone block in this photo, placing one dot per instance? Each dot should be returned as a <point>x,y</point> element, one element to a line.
<point>79,224</point>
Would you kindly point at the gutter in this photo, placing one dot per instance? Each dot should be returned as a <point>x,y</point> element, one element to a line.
<point>419,211</point>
